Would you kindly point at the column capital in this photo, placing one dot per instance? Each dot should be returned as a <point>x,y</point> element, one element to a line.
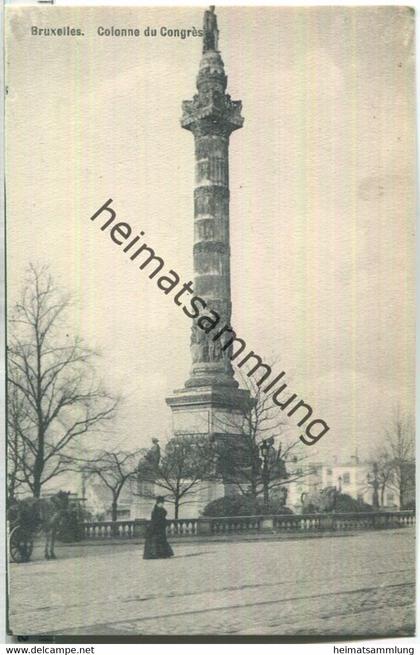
<point>211,113</point>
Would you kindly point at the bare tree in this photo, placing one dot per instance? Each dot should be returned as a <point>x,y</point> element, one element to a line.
<point>50,378</point>
<point>187,462</point>
<point>400,448</point>
<point>385,472</point>
<point>240,460</point>
<point>114,469</point>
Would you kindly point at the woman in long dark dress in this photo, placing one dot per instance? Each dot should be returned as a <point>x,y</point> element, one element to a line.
<point>156,545</point>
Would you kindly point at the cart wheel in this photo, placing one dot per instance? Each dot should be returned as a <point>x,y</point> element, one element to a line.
<point>20,545</point>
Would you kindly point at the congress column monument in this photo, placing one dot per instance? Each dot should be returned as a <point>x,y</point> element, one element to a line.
<point>211,398</point>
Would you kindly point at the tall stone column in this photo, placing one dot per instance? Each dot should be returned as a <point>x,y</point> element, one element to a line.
<point>211,117</point>
<point>211,402</point>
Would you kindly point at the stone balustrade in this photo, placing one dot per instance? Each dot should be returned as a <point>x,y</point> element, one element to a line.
<point>108,529</point>
<point>236,525</point>
<point>182,527</point>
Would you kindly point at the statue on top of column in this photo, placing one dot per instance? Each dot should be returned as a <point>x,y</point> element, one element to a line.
<point>211,33</point>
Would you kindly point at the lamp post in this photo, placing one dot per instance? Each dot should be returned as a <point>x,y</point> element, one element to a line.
<point>265,450</point>
<point>373,481</point>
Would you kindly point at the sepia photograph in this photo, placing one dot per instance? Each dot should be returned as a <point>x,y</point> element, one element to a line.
<point>210,283</point>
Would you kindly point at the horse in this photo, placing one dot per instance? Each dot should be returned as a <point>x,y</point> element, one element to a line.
<point>52,510</point>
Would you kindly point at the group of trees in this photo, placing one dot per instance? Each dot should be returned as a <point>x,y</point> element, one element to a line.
<point>54,400</point>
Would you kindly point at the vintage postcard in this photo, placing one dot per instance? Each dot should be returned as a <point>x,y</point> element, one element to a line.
<point>210,321</point>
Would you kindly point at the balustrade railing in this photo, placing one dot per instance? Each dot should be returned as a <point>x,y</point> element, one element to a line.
<point>181,527</point>
<point>234,525</point>
<point>109,529</point>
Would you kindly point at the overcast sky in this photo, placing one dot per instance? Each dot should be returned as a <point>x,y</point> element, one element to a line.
<point>322,198</point>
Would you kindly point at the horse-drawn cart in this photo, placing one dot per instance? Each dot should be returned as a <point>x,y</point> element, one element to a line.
<point>23,522</point>
<point>29,516</point>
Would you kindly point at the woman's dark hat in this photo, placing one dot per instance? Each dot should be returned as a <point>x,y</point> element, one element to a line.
<point>160,499</point>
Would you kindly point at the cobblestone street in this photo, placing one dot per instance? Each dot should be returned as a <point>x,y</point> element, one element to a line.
<point>359,584</point>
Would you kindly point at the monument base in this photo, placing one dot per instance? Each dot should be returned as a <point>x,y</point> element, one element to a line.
<point>208,410</point>
<point>214,411</point>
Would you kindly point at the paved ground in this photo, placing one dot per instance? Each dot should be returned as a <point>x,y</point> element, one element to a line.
<point>361,584</point>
